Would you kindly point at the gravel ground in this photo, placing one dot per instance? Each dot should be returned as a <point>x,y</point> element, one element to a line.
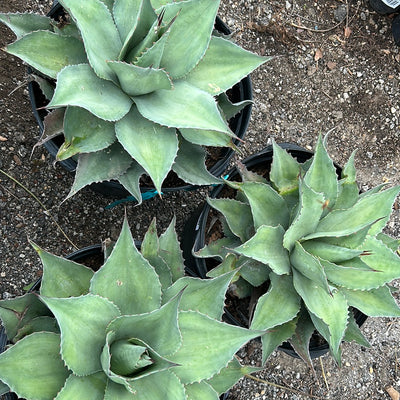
<point>337,69</point>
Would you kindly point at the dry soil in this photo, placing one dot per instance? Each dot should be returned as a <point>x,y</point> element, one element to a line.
<point>336,70</point>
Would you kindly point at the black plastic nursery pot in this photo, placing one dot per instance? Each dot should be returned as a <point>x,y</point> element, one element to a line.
<point>385,6</point>
<point>240,92</point>
<point>92,256</point>
<point>194,238</point>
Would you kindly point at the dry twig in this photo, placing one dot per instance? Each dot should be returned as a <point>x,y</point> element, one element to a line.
<point>282,387</point>
<point>323,373</point>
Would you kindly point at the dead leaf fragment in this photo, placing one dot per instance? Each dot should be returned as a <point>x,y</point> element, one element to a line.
<point>331,65</point>
<point>347,32</point>
<point>393,393</point>
<point>312,69</point>
<point>17,160</point>
<point>318,55</point>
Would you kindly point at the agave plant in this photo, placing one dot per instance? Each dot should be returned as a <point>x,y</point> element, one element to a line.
<point>140,86</point>
<point>134,329</point>
<point>315,243</point>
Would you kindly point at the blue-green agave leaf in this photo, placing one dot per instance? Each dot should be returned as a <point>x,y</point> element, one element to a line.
<point>130,180</point>
<point>378,265</point>
<point>279,305</point>
<point>230,109</point>
<point>208,138</point>
<point>99,33</point>
<point>158,328</point>
<point>352,241</point>
<point>78,85</point>
<point>82,322</point>
<point>311,207</point>
<point>332,309</point>
<point>91,387</point>
<point>170,251</point>
<point>285,170</point>
<point>253,271</point>
<point>172,108</point>
<point>118,391</point>
<point>321,177</point>
<point>190,165</point>
<point>127,279</point>
<point>374,190</point>
<point>241,288</point>
<point>158,4</point>
<point>153,146</point>
<point>300,341</point>
<point>201,390</point>
<point>103,165</point>
<point>48,52</point>
<point>267,206</point>
<point>216,73</point>
<point>274,337</point>
<point>389,241</point>
<point>150,38</point>
<point>133,25</point>
<point>201,332</point>
<point>33,368</point>
<point>309,265</point>
<point>18,311</point>
<point>353,274</point>
<point>228,264</point>
<point>375,302</point>
<point>109,4</point>
<point>62,277</point>
<point>266,247</point>
<point>38,324</point>
<point>219,248</point>
<point>366,211</point>
<point>149,362</point>
<point>22,24</point>
<point>161,385</point>
<point>84,133</point>
<point>229,375</point>
<point>150,251</point>
<point>238,216</point>
<point>348,188</point>
<point>201,11</point>
<point>331,252</point>
<point>152,56</point>
<point>136,81</point>
<point>203,295</point>
<point>353,333</point>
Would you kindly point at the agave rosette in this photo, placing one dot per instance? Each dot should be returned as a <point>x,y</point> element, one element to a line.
<point>140,86</point>
<point>318,245</point>
<point>134,329</point>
